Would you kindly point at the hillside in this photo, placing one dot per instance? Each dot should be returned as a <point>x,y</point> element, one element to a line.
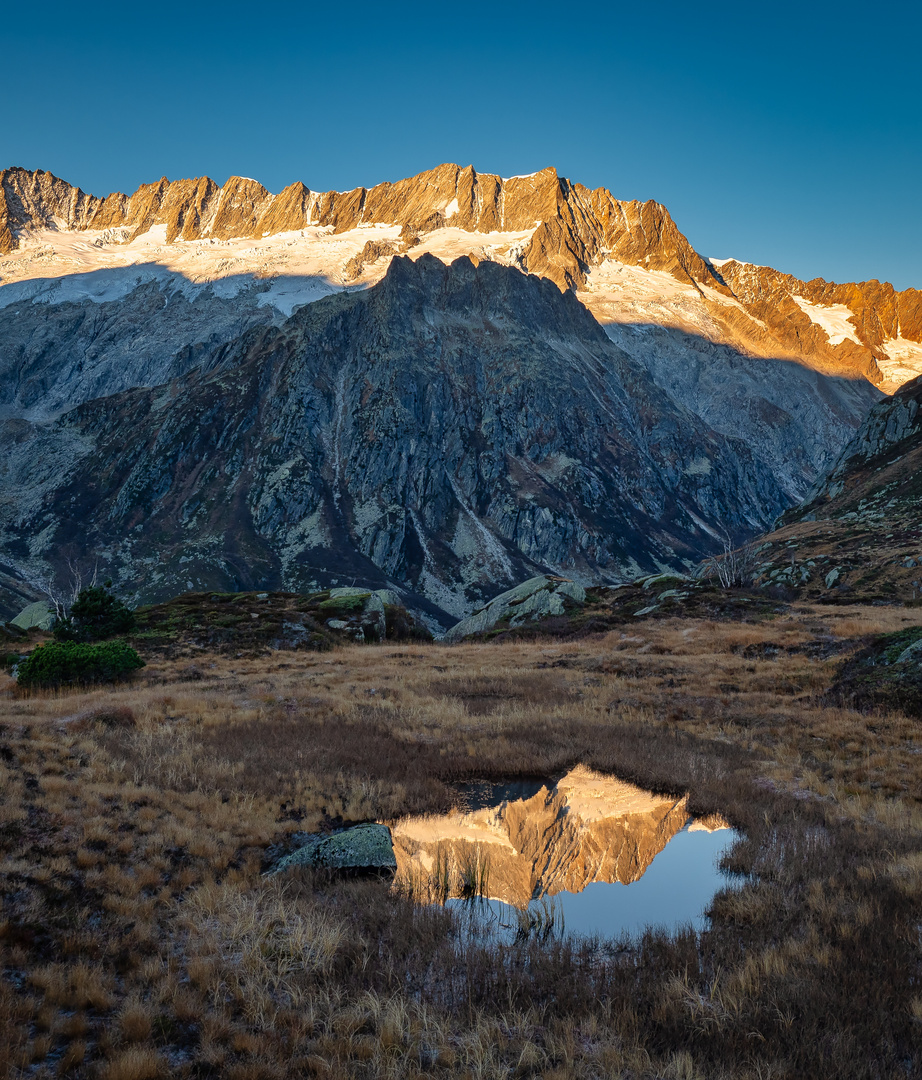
<point>859,533</point>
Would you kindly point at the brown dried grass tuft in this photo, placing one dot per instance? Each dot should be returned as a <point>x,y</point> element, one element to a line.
<point>136,1063</point>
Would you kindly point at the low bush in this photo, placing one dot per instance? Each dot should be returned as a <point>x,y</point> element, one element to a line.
<point>96,614</point>
<point>67,663</point>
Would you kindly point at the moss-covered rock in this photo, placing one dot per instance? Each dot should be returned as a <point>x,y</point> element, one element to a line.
<point>364,848</point>
<point>532,600</point>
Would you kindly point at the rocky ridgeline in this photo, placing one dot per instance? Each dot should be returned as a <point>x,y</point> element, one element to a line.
<point>573,226</point>
<point>570,228</point>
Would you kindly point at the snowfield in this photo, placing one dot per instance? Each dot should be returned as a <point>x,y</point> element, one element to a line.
<point>57,266</point>
<point>905,362</point>
<point>832,318</point>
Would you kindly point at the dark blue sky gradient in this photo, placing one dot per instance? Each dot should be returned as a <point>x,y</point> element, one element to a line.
<point>787,134</point>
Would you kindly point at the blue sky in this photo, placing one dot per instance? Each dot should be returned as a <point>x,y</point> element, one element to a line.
<point>786,134</point>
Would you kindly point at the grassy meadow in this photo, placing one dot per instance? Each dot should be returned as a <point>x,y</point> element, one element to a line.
<point>139,938</point>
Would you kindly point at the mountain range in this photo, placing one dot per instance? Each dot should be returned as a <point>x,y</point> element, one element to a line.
<point>440,386</point>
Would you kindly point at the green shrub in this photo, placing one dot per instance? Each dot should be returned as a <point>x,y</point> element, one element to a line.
<point>65,663</point>
<point>96,614</point>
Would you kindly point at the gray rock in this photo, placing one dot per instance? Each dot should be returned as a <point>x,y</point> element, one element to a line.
<point>361,848</point>
<point>373,617</point>
<point>794,422</point>
<point>832,577</point>
<point>347,593</point>
<point>912,653</point>
<point>659,579</point>
<point>37,616</point>
<point>533,599</point>
<point>337,624</point>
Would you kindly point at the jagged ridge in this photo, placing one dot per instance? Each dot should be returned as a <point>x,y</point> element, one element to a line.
<point>573,225</point>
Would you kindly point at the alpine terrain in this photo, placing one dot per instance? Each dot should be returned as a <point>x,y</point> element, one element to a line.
<point>441,386</point>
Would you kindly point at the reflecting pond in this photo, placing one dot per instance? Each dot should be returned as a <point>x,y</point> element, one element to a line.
<point>591,855</point>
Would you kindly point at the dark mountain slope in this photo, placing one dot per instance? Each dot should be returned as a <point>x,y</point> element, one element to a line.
<point>861,527</point>
<point>450,431</point>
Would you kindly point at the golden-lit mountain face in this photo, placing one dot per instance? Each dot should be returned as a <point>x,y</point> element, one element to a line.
<point>628,261</point>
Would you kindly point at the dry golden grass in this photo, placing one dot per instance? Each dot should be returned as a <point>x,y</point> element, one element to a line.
<point>138,938</point>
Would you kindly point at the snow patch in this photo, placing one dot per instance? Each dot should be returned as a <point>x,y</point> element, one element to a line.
<point>451,243</point>
<point>451,209</point>
<point>904,362</point>
<point>703,525</point>
<point>833,319</point>
<point>154,237</point>
<point>287,269</point>
<point>617,292</point>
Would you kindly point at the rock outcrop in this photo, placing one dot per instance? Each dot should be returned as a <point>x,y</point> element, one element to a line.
<point>37,616</point>
<point>362,849</point>
<point>586,828</point>
<point>536,598</point>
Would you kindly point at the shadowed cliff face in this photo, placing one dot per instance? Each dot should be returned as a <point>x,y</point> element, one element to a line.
<point>586,828</point>
<point>450,431</point>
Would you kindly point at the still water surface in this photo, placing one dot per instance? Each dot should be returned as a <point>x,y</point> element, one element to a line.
<point>590,855</point>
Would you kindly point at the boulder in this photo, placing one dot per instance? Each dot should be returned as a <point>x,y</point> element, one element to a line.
<point>913,653</point>
<point>37,616</point>
<point>373,618</point>
<point>359,609</point>
<point>364,848</point>
<point>533,599</point>
<point>346,593</point>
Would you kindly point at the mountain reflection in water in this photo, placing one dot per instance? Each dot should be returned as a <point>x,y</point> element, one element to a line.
<point>556,855</point>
